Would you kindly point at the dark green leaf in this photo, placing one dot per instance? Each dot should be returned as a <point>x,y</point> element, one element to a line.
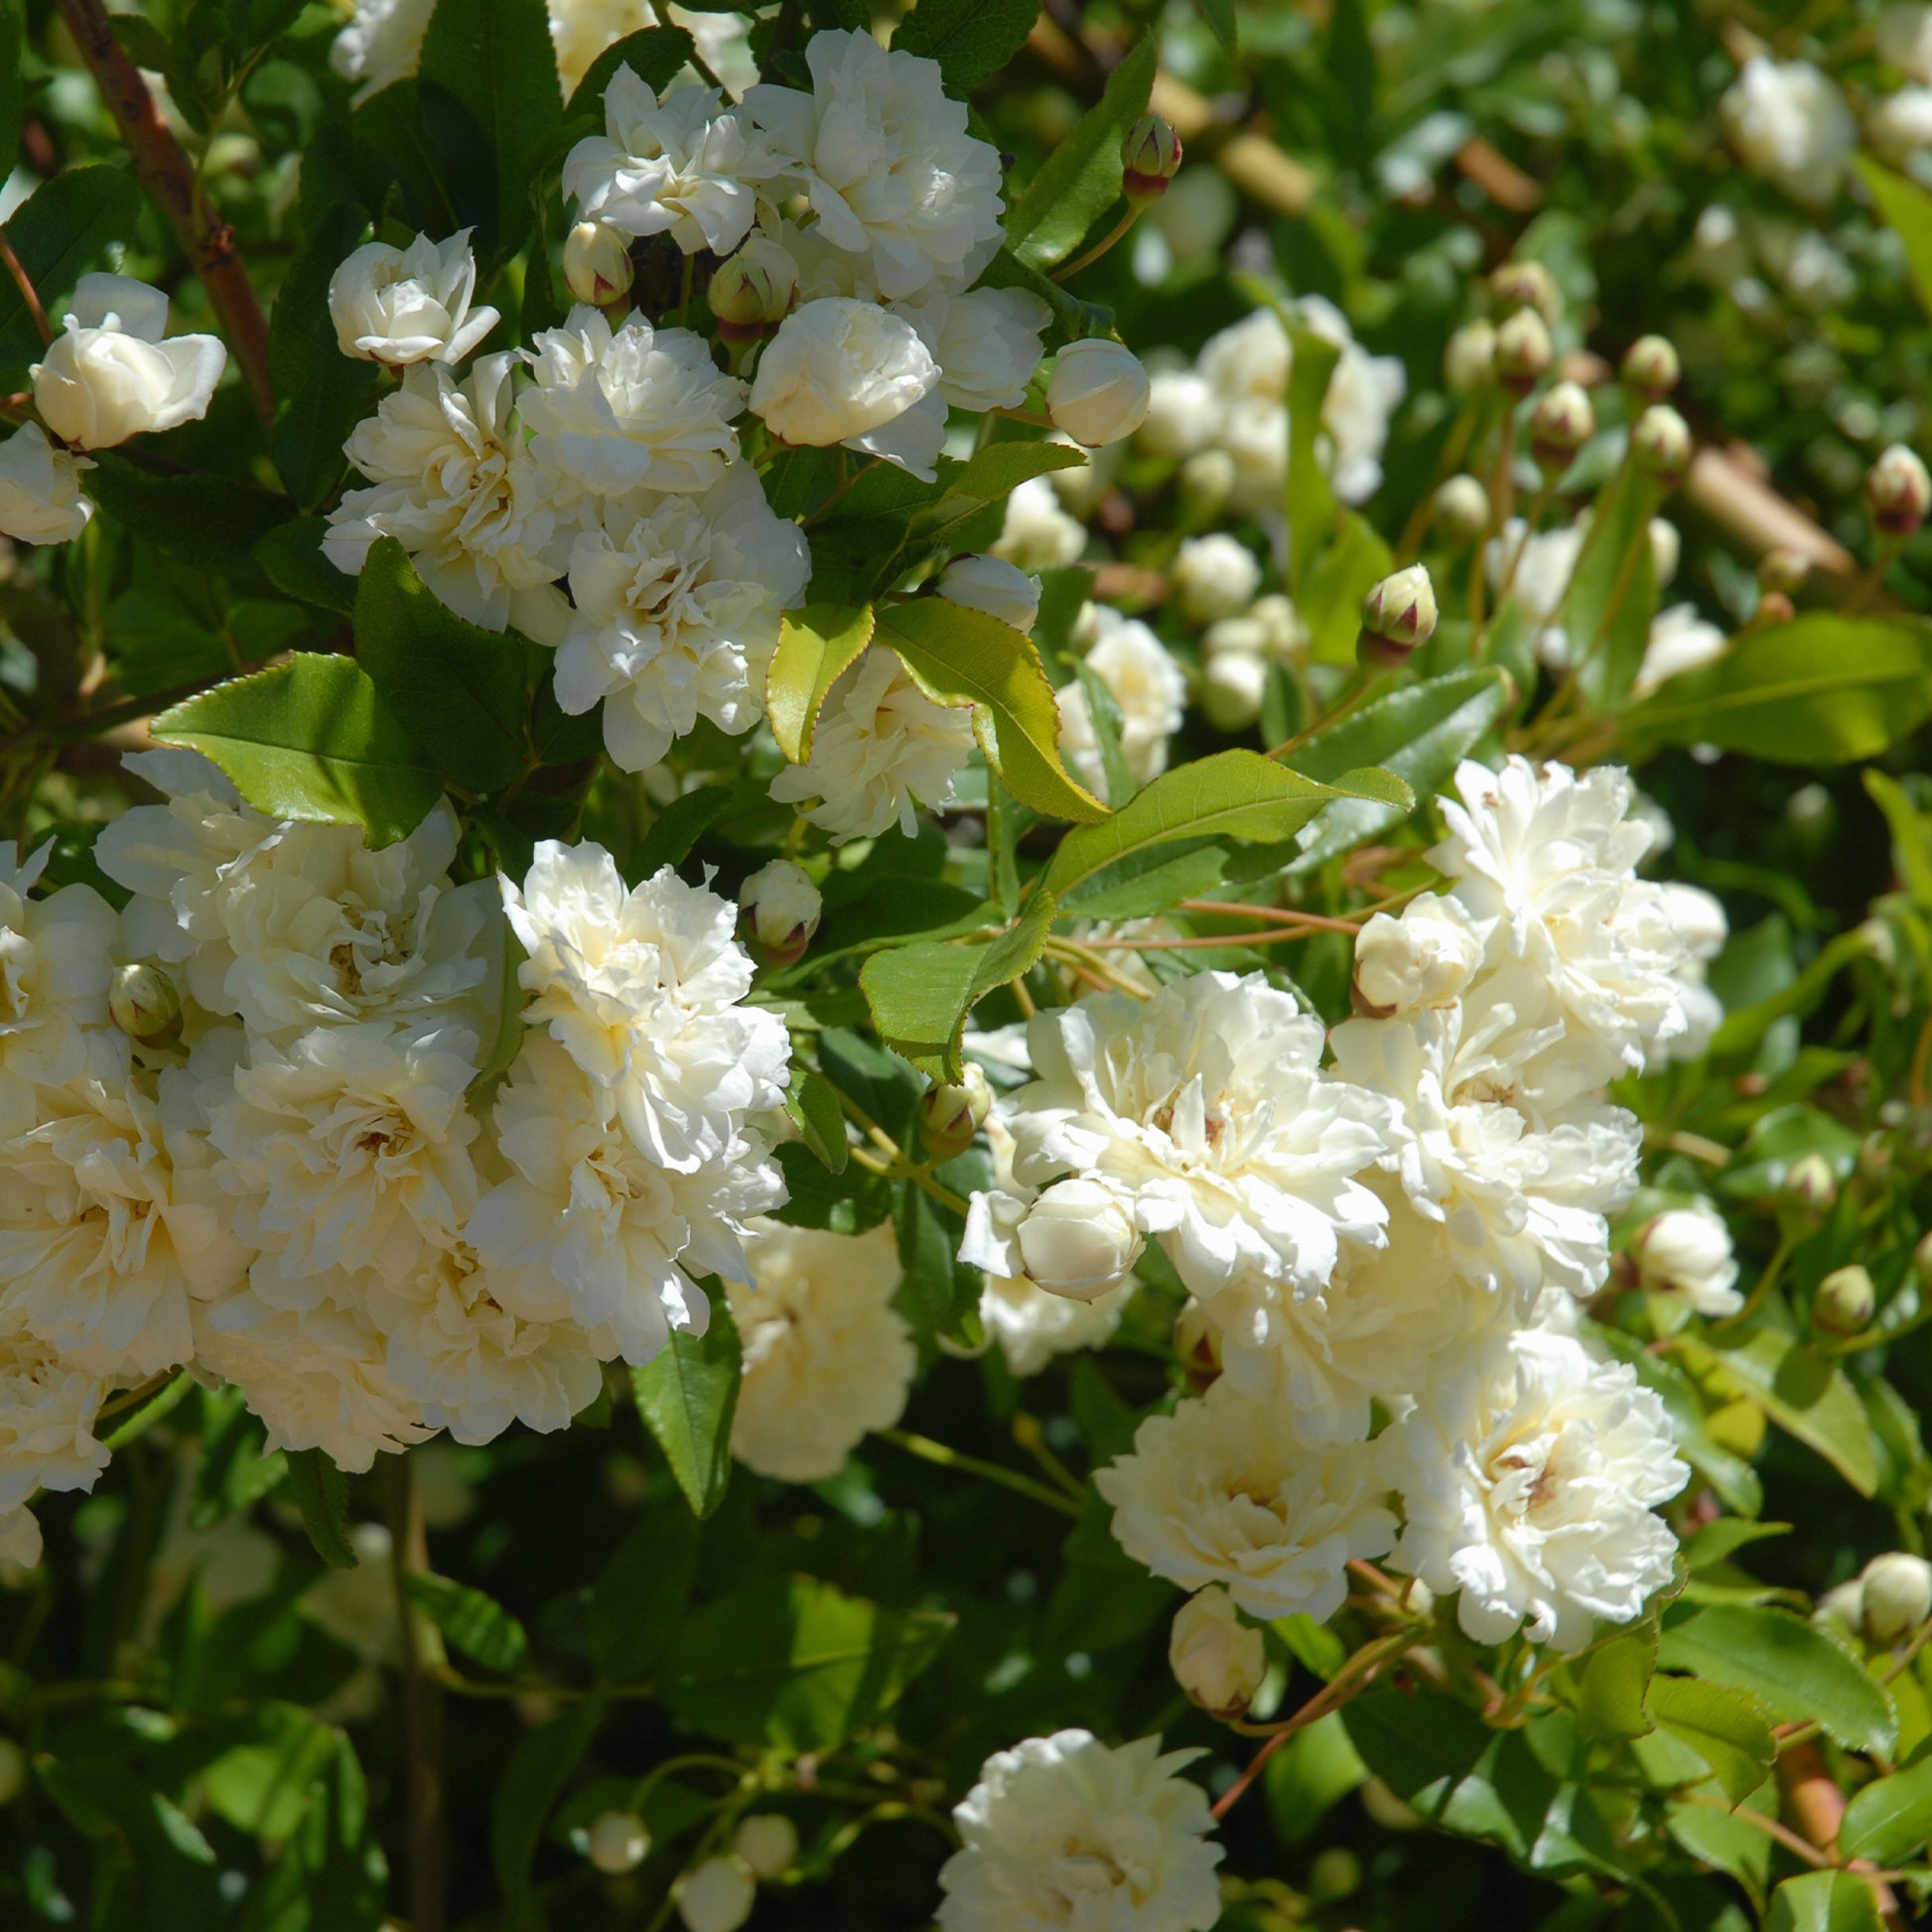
<point>679,826</point>
<point>1332,595</point>
<point>640,1594</point>
<point>290,556</point>
<point>1907,211</point>
<point>687,1396</point>
<point>1310,497</point>
<point>972,39</point>
<point>1612,594</point>
<point>1890,1820</point>
<point>473,1621</point>
<point>526,1794</point>
<point>59,232</point>
<point>1611,1686</point>
<point>211,524</point>
<point>655,55</point>
<point>321,1494</point>
<point>320,393</point>
<point>13,41</point>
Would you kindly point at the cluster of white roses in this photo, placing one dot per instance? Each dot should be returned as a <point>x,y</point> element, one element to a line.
<point>1405,1234</point>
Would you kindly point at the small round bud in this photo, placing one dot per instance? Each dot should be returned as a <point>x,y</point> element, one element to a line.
<point>13,1770</point>
<point>717,1896</point>
<point>1810,1185</point>
<point>1417,1599</point>
<point>1564,420</point>
<point>1845,1302</point>
<point>618,1843</point>
<point>1233,685</point>
<point>1398,615</point>
<point>949,1116</point>
<point>1524,352</point>
<point>143,1003</point>
<point>1898,491</point>
<point>1462,509</point>
<point>1469,359</point>
<point>1207,480</point>
<point>780,905</point>
<point>767,1842</point>
<point>1844,1602</point>
<point>1150,156</point>
<point>1216,1657</point>
<point>1660,445</point>
<point>745,296</point>
<point>1336,1874</point>
<point>596,263</point>
<point>1077,1240</point>
<point>1651,367</point>
<point>1526,285</point>
<point>1776,607</point>
<point>1098,391</point>
<point>1783,570</point>
<point>1897,1595</point>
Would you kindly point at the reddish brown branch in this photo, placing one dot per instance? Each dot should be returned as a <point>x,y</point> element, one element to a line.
<point>166,173</point>
<point>29,294</point>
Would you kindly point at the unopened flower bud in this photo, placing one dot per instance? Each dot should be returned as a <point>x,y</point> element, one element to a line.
<point>745,297</point>
<point>1398,615</point>
<point>1922,1262</point>
<point>1524,352</point>
<point>781,907</point>
<point>949,1116</point>
<point>1783,570</point>
<point>1810,1185</point>
<point>1098,391</point>
<point>1651,367</point>
<point>1469,359</point>
<point>1207,480</point>
<point>1897,1595</point>
<point>596,263</point>
<point>1077,1240</point>
<point>1216,1658</point>
<point>1844,1602</point>
<point>143,1003</point>
<point>767,1842</point>
<point>1462,509</point>
<point>1334,1873</point>
<point>1845,1302</point>
<point>13,1770</point>
<point>1417,1599</point>
<point>1564,420</point>
<point>1233,684</point>
<point>1150,155</point>
<point>618,1843</point>
<point>717,1896</point>
<point>1660,445</point>
<point>1526,285</point>
<point>1898,491</point>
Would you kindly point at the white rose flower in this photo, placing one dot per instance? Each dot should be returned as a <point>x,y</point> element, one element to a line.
<point>1534,1499</point>
<point>1423,958</point>
<point>986,343</point>
<point>687,166</point>
<point>827,1357</point>
<point>1790,124</point>
<point>1255,438</point>
<point>1699,922</point>
<point>993,585</point>
<point>40,489</point>
<point>1686,1252</point>
<point>1219,1660</point>
<point>580,30</point>
<point>1234,684</point>
<point>644,989</point>
<point>453,483</point>
<point>111,374</point>
<point>1098,392</point>
<point>1905,39</point>
<point>883,157</point>
<point>1224,1491</point>
<point>1182,414</point>
<point>1032,1326</point>
<point>1680,640</point>
<point>1900,125</point>
<point>838,370</point>
<point>676,614</point>
<point>589,1229</point>
<point>1247,361</point>
<point>47,1424</point>
<point>1038,534</point>
<point>1205,1108</point>
<point>1077,1238</point>
<point>1539,581</point>
<point>398,306</point>
<point>881,747</point>
<point>381,43</point>
<point>1149,689</point>
<point>1214,576</point>
<point>1363,394</point>
<point>630,408</point>
<point>1068,1831</point>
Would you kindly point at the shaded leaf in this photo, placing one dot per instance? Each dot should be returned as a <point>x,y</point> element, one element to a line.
<point>1726,1728</point>
<point>321,1494</point>
<point>655,55</point>
<point>687,1396</point>
<point>59,232</point>
<point>1892,1818</point>
<point>526,1794</point>
<point>320,393</point>
<point>972,39</point>
<point>473,1621</point>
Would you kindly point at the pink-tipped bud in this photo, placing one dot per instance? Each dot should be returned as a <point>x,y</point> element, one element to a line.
<point>1398,615</point>
<point>1898,491</point>
<point>1150,155</point>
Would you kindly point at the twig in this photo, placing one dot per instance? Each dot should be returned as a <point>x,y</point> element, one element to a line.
<point>941,1456</point>
<point>29,294</point>
<point>422,1703</point>
<point>163,171</point>
<point>1101,246</point>
<point>1798,1846</point>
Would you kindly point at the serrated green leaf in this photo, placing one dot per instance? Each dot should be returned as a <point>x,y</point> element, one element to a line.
<point>59,232</point>
<point>460,686</point>
<point>321,1494</point>
<point>816,645</point>
<point>1890,1820</point>
<point>311,740</point>
<point>687,1396</point>
<point>1825,1901</point>
<point>1611,1686</point>
<point>961,657</point>
<point>972,39</point>
<point>320,393</point>
<point>1726,1728</point>
<point>211,524</point>
<point>812,1101</point>
<point>471,1619</point>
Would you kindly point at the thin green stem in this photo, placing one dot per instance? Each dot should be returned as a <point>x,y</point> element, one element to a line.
<point>941,1456</point>
<point>1101,246</point>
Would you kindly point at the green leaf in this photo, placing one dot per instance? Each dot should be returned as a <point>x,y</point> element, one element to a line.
<point>1224,23</point>
<point>1892,1818</point>
<point>291,558</point>
<point>311,740</point>
<point>1725,1728</point>
<point>473,1621</point>
<point>961,657</point>
<point>920,996</point>
<point>526,1794</point>
<point>264,1785</point>
<point>1317,1769</point>
<point>815,646</point>
<point>332,1871</point>
<point>1825,1901</point>
<point>972,39</point>
<point>1332,596</point>
<point>687,1396</point>
<point>1908,212</point>
<point>320,393</point>
<point>794,1664</point>
<point>813,1104</point>
<point>946,1288</point>
<point>1310,497</point>
<point>59,232</point>
<point>1797,1672</point>
<point>321,1494</point>
<point>1823,689</point>
<point>13,41</point>
<point>1725,1841</point>
<point>640,1594</point>
<point>209,523</point>
<point>1612,594</point>
<point>1231,795</point>
<point>460,686</point>
<point>655,55</point>
<point>1611,1686</point>
<point>679,826</point>
<point>495,57</point>
<point>1080,180</point>
<point>1418,732</point>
